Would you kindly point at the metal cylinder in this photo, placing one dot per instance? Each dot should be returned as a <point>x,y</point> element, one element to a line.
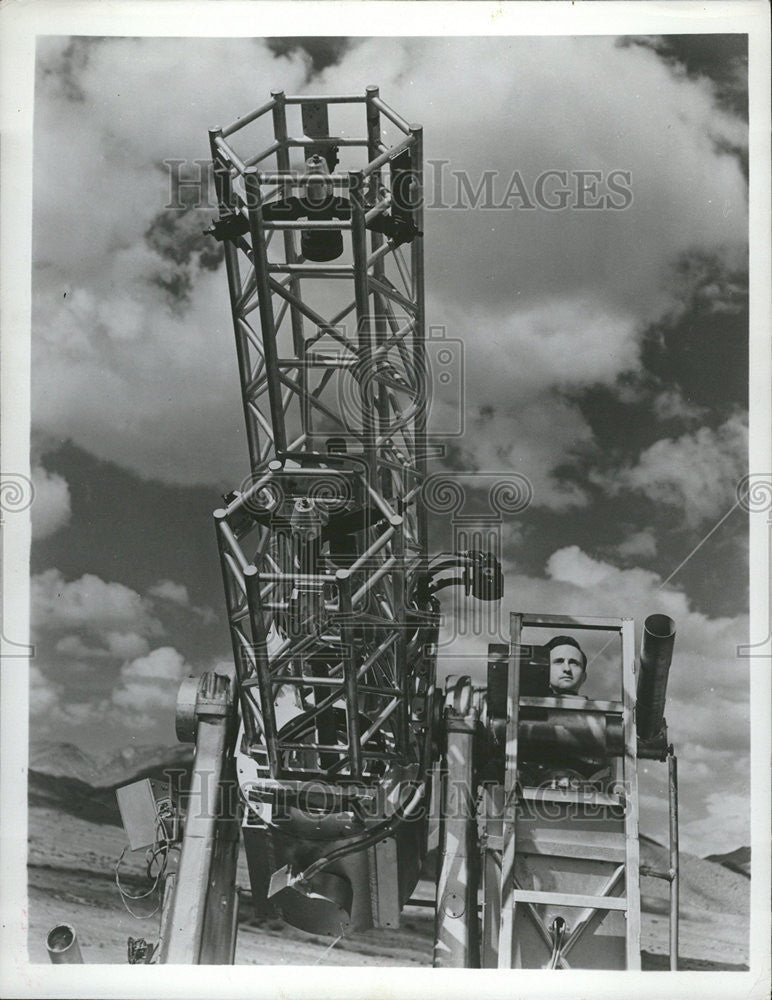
<point>63,945</point>
<point>656,654</point>
<point>569,732</point>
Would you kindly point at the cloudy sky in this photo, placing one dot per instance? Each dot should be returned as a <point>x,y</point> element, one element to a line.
<point>605,356</point>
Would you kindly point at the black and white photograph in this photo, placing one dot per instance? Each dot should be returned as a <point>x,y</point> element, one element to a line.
<point>386,499</point>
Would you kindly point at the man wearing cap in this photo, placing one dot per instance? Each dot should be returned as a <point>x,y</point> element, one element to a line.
<point>568,666</point>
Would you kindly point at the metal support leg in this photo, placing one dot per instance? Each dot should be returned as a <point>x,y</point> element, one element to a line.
<point>456,943</point>
<point>672,774</point>
<point>207,862</point>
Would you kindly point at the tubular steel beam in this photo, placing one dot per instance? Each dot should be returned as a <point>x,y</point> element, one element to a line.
<point>225,201</point>
<point>238,658</point>
<point>456,940</point>
<point>184,939</point>
<point>252,581</point>
<point>419,349</point>
<point>630,777</point>
<point>291,257</point>
<point>672,774</point>
<point>350,673</point>
<point>509,825</point>
<point>265,305</point>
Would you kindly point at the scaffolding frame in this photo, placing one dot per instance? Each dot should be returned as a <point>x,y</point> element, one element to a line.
<point>627,855</point>
<point>360,375</point>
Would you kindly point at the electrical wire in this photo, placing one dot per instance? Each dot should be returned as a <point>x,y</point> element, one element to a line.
<point>160,847</point>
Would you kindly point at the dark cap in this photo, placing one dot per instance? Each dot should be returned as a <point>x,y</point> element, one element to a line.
<point>567,640</point>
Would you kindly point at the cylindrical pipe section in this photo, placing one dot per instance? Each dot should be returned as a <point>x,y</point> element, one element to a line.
<point>259,638</point>
<point>456,940</point>
<point>350,672</point>
<point>63,945</point>
<point>420,373</point>
<point>265,305</point>
<point>656,654</point>
<point>185,923</point>
<point>238,656</point>
<point>672,773</point>
<point>570,732</point>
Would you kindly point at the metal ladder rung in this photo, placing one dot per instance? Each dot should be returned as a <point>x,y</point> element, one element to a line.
<point>570,899</point>
<point>562,849</point>
<point>572,795</point>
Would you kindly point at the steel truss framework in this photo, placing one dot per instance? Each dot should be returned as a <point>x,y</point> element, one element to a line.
<point>321,545</point>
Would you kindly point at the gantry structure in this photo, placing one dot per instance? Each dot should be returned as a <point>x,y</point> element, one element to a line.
<point>332,728</point>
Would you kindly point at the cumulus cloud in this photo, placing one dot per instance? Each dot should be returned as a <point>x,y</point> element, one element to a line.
<point>544,300</point>
<point>669,404</point>
<point>697,473</point>
<point>122,645</point>
<point>89,602</point>
<point>50,706</point>
<point>640,543</point>
<point>149,684</point>
<point>51,505</point>
<point>168,590</point>
<point>177,594</point>
<point>725,827</point>
<point>44,694</point>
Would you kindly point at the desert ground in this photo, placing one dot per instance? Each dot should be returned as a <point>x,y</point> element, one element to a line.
<point>75,839</point>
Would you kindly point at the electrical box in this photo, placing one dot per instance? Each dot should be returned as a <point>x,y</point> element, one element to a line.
<point>138,804</point>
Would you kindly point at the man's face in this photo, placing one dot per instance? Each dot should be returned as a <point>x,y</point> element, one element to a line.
<point>566,671</point>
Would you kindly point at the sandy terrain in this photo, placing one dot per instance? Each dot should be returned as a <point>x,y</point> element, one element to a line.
<point>71,879</point>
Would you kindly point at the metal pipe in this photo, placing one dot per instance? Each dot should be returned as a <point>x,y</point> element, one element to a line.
<point>265,304</point>
<point>350,672</point>
<point>419,346</point>
<point>334,140</point>
<point>185,928</point>
<point>291,257</point>
<point>394,519</point>
<point>329,99</point>
<point>382,251</point>
<point>387,154</point>
<point>672,774</point>
<point>313,270</point>
<point>371,581</point>
<point>252,581</point>
<point>364,320</point>
<point>63,946</point>
<point>268,151</point>
<point>402,669</point>
<point>378,209</point>
<point>224,191</point>
<point>337,224</point>
<point>456,939</point>
<point>230,154</point>
<point>298,178</point>
<point>246,714</point>
<point>376,546</point>
<point>656,654</point>
<point>227,532</point>
<point>247,119</point>
<point>391,114</point>
<point>382,716</point>
<point>376,241</point>
<point>318,321</point>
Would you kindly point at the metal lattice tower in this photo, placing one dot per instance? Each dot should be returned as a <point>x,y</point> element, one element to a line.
<point>321,546</point>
